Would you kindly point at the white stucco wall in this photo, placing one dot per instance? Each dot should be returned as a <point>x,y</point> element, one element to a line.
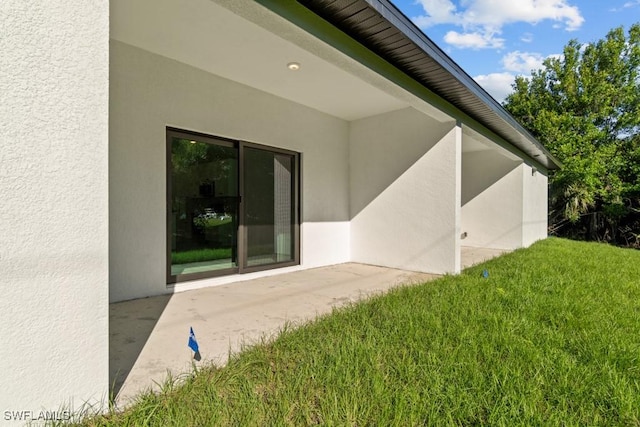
<point>149,92</point>
<point>492,200</point>
<point>504,205</point>
<point>535,208</point>
<point>54,205</point>
<point>405,191</point>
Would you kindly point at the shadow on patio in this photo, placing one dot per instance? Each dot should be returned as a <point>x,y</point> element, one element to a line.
<point>148,336</point>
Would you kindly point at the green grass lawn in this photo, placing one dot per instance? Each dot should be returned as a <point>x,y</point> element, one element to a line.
<point>551,337</point>
<point>200,255</point>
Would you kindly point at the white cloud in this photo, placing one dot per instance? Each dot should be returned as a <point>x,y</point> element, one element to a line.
<point>497,84</point>
<point>526,38</point>
<point>515,63</point>
<point>522,62</point>
<point>489,16</point>
<point>473,40</point>
<point>627,5</point>
<point>499,12</point>
<point>558,56</point>
<point>438,11</point>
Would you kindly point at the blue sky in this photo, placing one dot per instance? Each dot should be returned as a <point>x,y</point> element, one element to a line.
<point>495,40</point>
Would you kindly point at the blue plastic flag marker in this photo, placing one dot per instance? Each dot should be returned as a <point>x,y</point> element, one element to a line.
<point>485,273</point>
<point>193,344</point>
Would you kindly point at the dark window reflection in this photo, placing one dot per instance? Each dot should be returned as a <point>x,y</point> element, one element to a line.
<point>204,206</point>
<point>269,206</point>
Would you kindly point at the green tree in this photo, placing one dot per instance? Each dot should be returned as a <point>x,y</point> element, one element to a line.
<point>585,108</point>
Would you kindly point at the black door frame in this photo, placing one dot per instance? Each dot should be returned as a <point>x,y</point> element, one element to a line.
<point>241,238</point>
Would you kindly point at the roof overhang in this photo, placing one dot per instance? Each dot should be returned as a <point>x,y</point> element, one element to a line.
<point>382,28</point>
<point>245,42</point>
<point>359,57</point>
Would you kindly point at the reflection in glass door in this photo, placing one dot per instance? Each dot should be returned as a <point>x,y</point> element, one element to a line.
<point>269,208</point>
<point>203,205</point>
<point>232,207</point>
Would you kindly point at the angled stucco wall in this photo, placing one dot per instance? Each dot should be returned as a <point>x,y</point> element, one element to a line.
<point>504,202</point>
<point>149,92</point>
<point>535,199</point>
<point>54,209</point>
<point>492,200</point>
<point>405,191</point>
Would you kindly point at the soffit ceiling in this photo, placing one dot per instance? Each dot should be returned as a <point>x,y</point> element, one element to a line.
<point>473,142</point>
<point>208,36</point>
<point>470,145</point>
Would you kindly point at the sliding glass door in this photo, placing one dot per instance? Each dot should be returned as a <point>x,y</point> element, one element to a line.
<point>204,205</point>
<point>269,206</point>
<point>232,207</point>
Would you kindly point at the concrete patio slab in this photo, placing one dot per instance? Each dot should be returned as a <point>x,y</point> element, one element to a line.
<point>470,256</point>
<point>148,337</point>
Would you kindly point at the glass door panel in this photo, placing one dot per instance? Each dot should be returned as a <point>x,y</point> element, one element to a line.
<point>269,202</point>
<point>203,205</point>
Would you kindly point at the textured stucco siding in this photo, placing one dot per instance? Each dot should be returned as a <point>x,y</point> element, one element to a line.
<point>504,202</point>
<point>492,200</point>
<point>53,204</point>
<point>405,192</point>
<point>535,210</point>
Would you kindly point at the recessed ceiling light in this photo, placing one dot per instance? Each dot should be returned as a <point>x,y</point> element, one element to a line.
<point>293,66</point>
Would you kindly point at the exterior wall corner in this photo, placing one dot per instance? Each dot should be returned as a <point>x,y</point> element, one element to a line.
<point>54,216</point>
